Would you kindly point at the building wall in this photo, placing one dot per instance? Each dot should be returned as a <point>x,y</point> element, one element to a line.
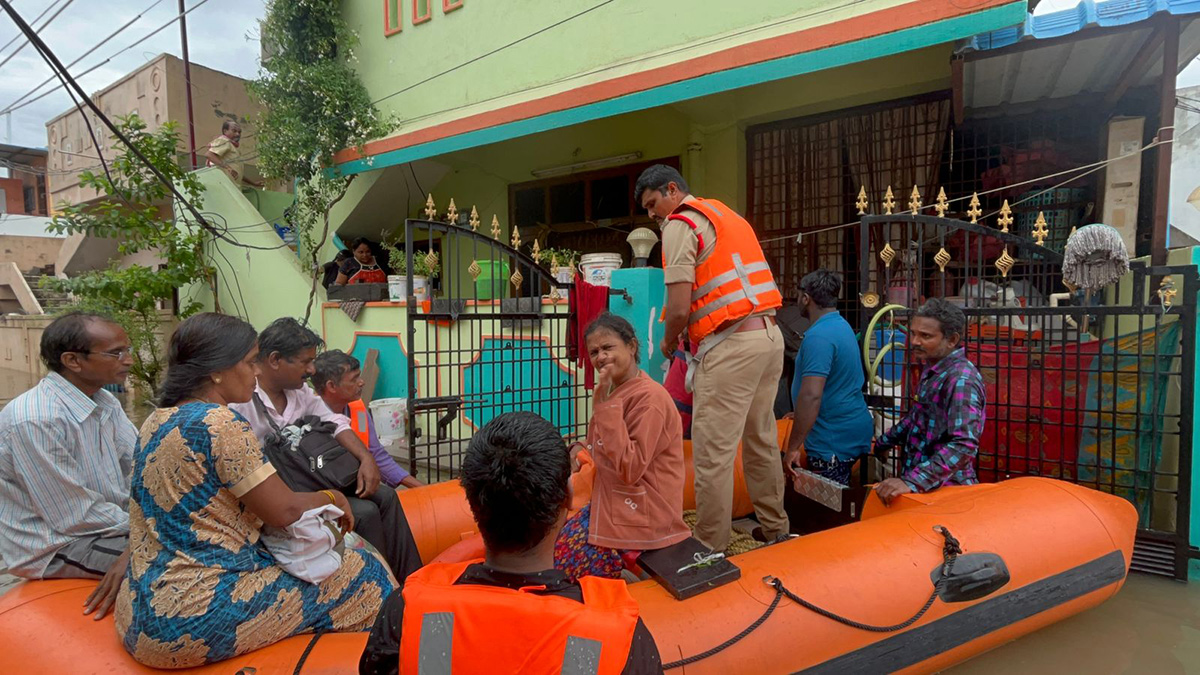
<point>671,52</point>
<point>29,252</point>
<point>14,195</point>
<point>156,92</point>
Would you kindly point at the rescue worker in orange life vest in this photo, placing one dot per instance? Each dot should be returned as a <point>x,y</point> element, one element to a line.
<point>720,289</point>
<point>338,381</point>
<point>511,612</point>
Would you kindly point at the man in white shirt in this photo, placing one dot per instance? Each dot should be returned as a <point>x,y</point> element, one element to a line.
<point>66,449</point>
<point>286,352</point>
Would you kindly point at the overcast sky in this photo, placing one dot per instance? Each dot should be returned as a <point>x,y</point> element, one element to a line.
<point>222,34</point>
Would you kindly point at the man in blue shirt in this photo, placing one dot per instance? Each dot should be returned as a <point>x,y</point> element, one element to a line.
<point>832,423</point>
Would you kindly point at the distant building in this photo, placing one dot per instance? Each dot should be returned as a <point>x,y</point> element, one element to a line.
<point>157,93</point>
<point>23,190</point>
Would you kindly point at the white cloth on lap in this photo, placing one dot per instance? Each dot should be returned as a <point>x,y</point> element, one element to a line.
<point>310,548</point>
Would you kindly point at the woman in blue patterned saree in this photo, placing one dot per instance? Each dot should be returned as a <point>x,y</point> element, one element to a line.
<point>201,585</point>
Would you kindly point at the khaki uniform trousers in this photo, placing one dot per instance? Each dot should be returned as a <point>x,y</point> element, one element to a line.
<point>734,400</point>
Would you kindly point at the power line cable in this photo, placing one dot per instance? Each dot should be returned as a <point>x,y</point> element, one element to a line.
<point>54,16</point>
<point>83,56</point>
<point>35,20</point>
<point>111,57</point>
<point>57,65</point>
<point>498,49</point>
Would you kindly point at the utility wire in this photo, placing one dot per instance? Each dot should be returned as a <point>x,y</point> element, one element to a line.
<point>86,54</point>
<point>57,65</point>
<point>35,20</point>
<point>110,58</point>
<point>54,16</point>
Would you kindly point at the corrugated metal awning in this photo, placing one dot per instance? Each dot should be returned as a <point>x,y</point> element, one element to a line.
<point>1085,50</point>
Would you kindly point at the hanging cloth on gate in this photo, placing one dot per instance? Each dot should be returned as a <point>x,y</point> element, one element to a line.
<point>585,303</point>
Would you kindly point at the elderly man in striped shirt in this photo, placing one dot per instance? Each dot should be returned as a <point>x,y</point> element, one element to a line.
<point>66,449</point>
<point>939,438</point>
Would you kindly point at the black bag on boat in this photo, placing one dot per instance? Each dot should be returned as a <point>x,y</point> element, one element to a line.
<point>307,456</point>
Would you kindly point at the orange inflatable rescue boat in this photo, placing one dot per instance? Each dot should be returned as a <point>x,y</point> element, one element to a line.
<point>1033,552</point>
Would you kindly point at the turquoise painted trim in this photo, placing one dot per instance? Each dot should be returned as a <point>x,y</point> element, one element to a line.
<point>799,64</point>
<point>1195,515</point>
<point>543,388</point>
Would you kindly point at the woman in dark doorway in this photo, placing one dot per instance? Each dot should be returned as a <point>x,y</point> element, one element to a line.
<point>362,268</point>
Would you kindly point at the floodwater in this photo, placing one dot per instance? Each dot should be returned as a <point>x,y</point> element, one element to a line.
<point>1151,626</point>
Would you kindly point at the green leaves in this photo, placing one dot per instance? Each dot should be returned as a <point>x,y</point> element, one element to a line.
<point>132,212</point>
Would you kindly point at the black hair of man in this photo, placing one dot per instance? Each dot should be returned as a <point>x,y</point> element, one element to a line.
<point>68,333</point>
<point>618,326</point>
<point>515,474</point>
<point>229,124</point>
<point>332,366</point>
<point>823,286</point>
<point>952,319</point>
<point>286,337</point>
<point>658,177</point>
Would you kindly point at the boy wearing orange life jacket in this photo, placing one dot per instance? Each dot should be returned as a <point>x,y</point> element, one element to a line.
<point>511,612</point>
<point>337,379</point>
<point>721,290</point>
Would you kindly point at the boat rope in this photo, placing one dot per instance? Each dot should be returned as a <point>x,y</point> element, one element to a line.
<point>307,650</point>
<point>951,549</point>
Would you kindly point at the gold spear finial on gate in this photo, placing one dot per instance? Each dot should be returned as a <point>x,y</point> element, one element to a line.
<point>889,202</point>
<point>495,227</point>
<point>430,208</point>
<point>537,251</point>
<point>474,221</point>
<point>1040,231</point>
<point>942,204</point>
<point>914,201</point>
<point>1006,217</point>
<point>452,212</point>
<point>974,211</point>
<point>1167,292</point>
<point>862,203</point>
<point>516,238</point>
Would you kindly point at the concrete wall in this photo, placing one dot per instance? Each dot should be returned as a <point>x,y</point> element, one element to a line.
<point>28,252</point>
<point>14,195</point>
<point>257,285</point>
<point>1185,168</point>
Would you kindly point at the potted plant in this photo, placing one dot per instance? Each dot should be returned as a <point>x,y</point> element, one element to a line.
<point>423,271</point>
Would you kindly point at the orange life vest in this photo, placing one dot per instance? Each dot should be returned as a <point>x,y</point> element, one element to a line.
<point>473,628</point>
<point>359,421</point>
<point>735,281</point>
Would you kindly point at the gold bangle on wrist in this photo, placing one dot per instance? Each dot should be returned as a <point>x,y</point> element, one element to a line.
<point>329,493</point>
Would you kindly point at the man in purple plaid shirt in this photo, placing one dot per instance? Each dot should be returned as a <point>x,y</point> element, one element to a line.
<point>939,438</point>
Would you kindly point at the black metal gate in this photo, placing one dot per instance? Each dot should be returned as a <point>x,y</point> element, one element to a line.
<point>1096,390</point>
<point>490,337</point>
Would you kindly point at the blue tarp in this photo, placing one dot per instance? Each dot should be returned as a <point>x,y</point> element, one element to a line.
<point>1088,13</point>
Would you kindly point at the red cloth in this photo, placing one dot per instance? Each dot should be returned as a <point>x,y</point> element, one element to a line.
<point>676,385</point>
<point>585,303</point>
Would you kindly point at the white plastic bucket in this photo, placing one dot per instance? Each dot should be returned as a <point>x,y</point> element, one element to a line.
<point>597,267</point>
<point>421,288</point>
<point>391,419</point>
<point>397,287</point>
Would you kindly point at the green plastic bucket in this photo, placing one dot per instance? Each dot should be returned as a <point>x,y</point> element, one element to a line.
<point>493,280</point>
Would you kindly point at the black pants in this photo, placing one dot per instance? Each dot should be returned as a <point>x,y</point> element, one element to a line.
<point>380,520</point>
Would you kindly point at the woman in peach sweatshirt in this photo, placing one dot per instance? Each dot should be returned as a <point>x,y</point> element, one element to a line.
<point>636,441</point>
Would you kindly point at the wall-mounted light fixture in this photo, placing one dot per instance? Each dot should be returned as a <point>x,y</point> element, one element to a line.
<point>587,166</point>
